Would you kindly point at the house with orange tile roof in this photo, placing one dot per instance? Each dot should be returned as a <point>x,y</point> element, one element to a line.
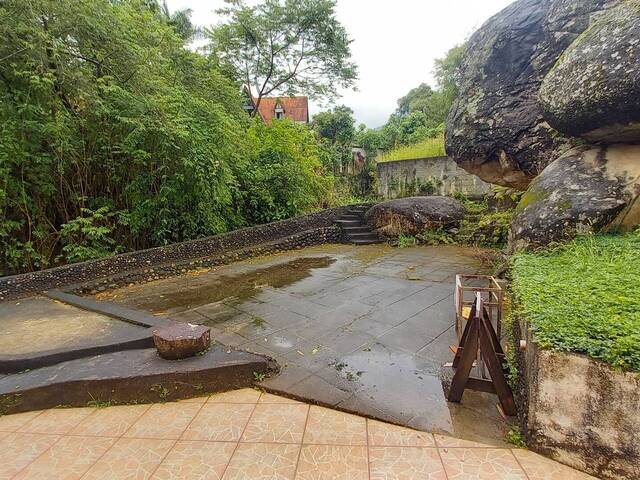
<point>293,108</point>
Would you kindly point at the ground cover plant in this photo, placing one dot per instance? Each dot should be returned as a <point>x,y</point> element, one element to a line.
<point>583,297</point>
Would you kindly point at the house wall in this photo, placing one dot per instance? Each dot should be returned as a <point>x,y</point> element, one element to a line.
<point>403,177</point>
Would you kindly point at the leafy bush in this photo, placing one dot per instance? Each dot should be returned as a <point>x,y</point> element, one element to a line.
<point>583,297</point>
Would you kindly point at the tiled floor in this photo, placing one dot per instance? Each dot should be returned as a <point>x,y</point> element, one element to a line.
<point>249,435</point>
<point>365,329</point>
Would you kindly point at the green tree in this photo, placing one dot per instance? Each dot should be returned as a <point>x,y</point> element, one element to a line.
<point>336,125</point>
<point>284,46</point>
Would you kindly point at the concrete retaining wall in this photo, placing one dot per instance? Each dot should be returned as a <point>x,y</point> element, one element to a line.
<point>154,263</point>
<point>582,412</point>
<point>404,178</point>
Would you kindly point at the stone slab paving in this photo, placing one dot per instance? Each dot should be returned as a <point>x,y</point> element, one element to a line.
<point>38,324</point>
<point>246,434</point>
<point>365,329</point>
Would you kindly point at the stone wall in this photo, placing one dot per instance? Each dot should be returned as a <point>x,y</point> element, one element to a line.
<point>405,177</point>
<point>581,412</point>
<point>160,262</point>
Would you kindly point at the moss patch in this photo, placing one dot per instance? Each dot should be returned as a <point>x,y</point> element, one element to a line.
<point>583,297</point>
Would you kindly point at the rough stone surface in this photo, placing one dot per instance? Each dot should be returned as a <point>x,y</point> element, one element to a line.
<point>181,340</point>
<point>593,91</point>
<point>588,189</point>
<point>582,412</point>
<point>160,262</point>
<point>412,215</point>
<point>132,376</point>
<point>496,128</point>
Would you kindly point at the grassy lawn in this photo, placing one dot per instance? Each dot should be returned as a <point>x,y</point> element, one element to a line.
<point>584,297</point>
<point>431,147</point>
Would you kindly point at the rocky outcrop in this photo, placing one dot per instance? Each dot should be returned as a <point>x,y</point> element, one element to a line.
<point>496,128</point>
<point>413,215</point>
<point>593,91</point>
<point>587,189</point>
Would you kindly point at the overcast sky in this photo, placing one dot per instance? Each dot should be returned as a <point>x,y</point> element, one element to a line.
<point>394,43</point>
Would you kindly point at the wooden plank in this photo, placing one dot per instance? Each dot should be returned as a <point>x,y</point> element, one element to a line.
<point>465,362</point>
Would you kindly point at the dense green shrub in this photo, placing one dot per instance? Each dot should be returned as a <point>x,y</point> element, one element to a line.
<point>583,297</point>
<point>114,136</point>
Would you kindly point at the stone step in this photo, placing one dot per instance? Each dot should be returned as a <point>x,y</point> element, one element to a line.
<point>351,217</point>
<point>349,223</point>
<point>365,241</point>
<point>359,229</point>
<point>368,234</point>
<point>360,213</point>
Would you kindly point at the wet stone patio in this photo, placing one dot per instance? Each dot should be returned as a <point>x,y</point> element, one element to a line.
<point>363,329</point>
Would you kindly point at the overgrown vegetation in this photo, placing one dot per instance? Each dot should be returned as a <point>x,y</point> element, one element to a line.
<point>115,137</point>
<point>429,147</point>
<point>583,297</point>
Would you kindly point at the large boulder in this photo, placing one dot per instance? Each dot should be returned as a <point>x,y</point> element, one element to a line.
<point>593,91</point>
<point>589,189</point>
<point>413,215</point>
<point>496,129</point>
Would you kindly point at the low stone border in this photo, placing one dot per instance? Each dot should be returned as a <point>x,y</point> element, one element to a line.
<point>296,232</point>
<point>133,376</point>
<point>580,411</point>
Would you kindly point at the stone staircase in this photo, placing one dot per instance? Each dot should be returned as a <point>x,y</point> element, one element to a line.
<point>354,228</point>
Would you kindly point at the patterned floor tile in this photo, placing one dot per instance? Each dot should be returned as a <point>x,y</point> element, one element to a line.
<point>17,450</point>
<point>405,463</point>
<point>327,426</point>
<point>164,420</point>
<point>130,459</point>
<point>451,442</point>
<point>110,422</point>
<point>199,400</point>
<point>386,434</point>
<point>11,423</point>
<point>68,459</point>
<point>219,422</point>
<point>263,461</point>
<point>58,421</point>
<point>269,398</point>
<point>332,462</point>
<point>244,395</point>
<point>538,467</point>
<point>480,463</point>
<point>195,461</point>
<point>280,423</point>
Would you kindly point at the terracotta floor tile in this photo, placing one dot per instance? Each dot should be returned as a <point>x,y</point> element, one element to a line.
<point>244,395</point>
<point>58,421</point>
<point>405,463</point>
<point>263,461</point>
<point>327,426</point>
<point>332,462</point>
<point>110,422</point>
<point>199,400</point>
<point>385,434</point>
<point>11,423</point>
<point>281,423</point>
<point>269,398</point>
<point>17,450</point>
<point>130,458</point>
<point>219,422</point>
<point>195,461</point>
<point>68,459</point>
<point>445,441</point>
<point>538,467</point>
<point>480,463</point>
<point>164,420</point>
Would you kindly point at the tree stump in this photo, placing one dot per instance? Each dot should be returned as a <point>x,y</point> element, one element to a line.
<point>181,340</point>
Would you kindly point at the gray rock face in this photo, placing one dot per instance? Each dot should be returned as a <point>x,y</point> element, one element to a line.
<point>588,189</point>
<point>413,215</point>
<point>496,129</point>
<point>593,91</point>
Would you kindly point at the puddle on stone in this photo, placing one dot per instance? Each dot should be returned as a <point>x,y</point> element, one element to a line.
<point>210,288</point>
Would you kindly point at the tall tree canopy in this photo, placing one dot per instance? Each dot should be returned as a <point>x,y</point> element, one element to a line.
<point>285,46</point>
<point>336,125</point>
